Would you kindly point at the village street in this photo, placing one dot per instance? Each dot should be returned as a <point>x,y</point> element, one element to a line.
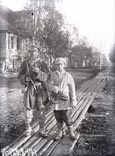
<point>97,130</point>
<point>33,34</point>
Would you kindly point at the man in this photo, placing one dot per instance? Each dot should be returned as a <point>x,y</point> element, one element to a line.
<point>32,75</point>
<point>63,97</point>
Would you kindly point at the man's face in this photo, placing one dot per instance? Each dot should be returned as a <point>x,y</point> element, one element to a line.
<point>34,53</point>
<point>60,66</point>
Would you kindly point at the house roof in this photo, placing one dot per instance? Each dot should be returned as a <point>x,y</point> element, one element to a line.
<point>24,13</point>
<point>5,26</point>
<point>9,17</point>
<point>6,13</point>
<point>6,20</point>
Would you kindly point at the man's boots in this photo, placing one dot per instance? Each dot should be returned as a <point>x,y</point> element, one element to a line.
<point>42,119</point>
<point>42,132</point>
<point>28,130</point>
<point>71,133</point>
<point>29,116</point>
<point>59,133</point>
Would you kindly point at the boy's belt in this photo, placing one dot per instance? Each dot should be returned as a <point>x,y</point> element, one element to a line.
<point>58,96</point>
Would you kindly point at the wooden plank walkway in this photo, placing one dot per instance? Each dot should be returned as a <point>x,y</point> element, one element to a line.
<point>39,146</point>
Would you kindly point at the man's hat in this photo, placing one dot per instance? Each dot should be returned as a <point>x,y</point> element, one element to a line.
<point>32,47</point>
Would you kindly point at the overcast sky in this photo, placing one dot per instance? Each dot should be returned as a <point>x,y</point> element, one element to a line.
<point>93,18</point>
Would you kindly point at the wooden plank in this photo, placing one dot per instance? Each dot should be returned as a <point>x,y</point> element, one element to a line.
<point>64,147</point>
<point>50,142</point>
<point>85,98</point>
<point>42,145</point>
<point>51,148</point>
<point>22,138</point>
<point>82,116</point>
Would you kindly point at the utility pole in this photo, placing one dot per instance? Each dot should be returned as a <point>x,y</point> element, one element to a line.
<point>100,64</point>
<point>36,11</point>
<point>34,22</point>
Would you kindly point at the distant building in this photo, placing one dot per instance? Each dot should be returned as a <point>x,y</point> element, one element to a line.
<point>12,43</point>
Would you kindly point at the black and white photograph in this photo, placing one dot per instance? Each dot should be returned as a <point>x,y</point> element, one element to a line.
<point>57,78</point>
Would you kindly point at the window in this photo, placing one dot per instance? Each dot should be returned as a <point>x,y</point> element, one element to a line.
<point>8,42</point>
<point>12,42</point>
<point>18,43</point>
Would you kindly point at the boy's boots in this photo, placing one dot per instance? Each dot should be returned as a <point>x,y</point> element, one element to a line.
<point>71,133</point>
<point>59,133</point>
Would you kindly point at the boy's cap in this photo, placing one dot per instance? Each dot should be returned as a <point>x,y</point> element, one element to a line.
<point>60,60</point>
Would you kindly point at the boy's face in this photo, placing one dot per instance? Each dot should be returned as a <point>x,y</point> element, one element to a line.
<point>60,66</point>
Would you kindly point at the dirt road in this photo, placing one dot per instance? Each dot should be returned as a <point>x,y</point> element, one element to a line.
<point>98,129</point>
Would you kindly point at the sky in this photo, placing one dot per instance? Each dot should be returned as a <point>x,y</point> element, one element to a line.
<point>94,19</point>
